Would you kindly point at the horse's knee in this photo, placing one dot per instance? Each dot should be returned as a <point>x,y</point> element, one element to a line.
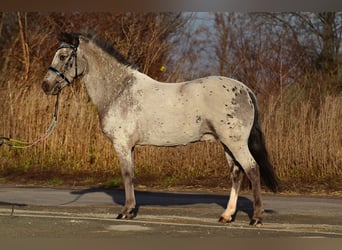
<point>126,174</point>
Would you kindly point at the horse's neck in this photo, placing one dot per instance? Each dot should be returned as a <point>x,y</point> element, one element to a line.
<point>106,77</point>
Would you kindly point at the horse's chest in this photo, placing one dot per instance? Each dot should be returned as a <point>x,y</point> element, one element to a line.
<point>118,123</point>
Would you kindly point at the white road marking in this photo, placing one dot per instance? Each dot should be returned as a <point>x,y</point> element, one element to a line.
<point>141,222</point>
<point>128,228</point>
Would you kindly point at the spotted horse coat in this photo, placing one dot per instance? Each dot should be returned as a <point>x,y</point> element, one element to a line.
<point>135,109</point>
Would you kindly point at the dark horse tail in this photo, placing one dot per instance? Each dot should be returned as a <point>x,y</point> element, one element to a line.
<point>256,145</point>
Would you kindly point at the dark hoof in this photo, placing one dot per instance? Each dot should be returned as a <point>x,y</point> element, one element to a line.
<point>255,222</point>
<point>120,216</point>
<point>224,220</point>
<point>128,216</point>
<point>125,216</point>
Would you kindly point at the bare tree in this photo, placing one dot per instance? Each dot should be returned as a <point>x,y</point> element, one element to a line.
<point>318,35</point>
<point>225,36</point>
<point>145,38</point>
<point>272,50</point>
<point>246,51</point>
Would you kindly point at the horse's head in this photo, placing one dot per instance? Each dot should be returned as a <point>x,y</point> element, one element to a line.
<point>66,65</point>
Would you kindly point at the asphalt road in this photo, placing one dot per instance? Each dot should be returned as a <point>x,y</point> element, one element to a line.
<point>90,213</point>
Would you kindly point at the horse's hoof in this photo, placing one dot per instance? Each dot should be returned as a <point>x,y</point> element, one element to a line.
<point>120,216</point>
<point>128,216</point>
<point>224,220</point>
<point>125,217</point>
<point>255,222</point>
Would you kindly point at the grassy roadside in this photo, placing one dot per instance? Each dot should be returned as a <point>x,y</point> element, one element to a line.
<point>304,139</point>
<point>189,174</point>
<point>55,179</point>
<point>303,134</point>
<point>301,118</point>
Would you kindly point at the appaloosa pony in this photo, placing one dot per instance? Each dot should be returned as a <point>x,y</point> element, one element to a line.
<point>135,109</point>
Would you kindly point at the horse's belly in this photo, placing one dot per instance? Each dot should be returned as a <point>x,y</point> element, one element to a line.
<point>174,137</point>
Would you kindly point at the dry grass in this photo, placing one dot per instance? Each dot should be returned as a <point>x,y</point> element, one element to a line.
<point>78,146</point>
<point>304,141</point>
<point>303,135</point>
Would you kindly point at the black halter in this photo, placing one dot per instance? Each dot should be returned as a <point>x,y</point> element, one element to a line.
<point>73,54</point>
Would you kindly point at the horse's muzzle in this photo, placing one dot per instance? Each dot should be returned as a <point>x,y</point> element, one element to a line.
<point>46,87</point>
<point>50,90</point>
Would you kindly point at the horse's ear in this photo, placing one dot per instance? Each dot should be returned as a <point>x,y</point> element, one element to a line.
<point>68,38</point>
<point>83,39</point>
<point>63,37</point>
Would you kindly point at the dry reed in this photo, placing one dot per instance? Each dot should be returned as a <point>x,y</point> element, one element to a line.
<point>304,137</point>
<point>304,142</point>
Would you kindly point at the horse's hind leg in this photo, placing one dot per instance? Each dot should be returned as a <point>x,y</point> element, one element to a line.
<point>243,157</point>
<point>236,176</point>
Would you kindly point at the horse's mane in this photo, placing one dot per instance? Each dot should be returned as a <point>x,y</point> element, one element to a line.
<point>73,39</point>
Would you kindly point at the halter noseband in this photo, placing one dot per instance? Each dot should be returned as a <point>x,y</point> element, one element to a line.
<point>73,54</point>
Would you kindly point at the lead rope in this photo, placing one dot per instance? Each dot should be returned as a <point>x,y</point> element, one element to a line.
<point>24,144</point>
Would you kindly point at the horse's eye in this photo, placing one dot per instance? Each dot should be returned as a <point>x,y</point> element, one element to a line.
<point>62,57</point>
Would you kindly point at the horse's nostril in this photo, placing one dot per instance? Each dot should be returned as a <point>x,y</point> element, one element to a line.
<point>45,86</point>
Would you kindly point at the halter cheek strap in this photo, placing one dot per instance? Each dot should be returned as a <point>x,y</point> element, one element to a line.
<point>60,74</point>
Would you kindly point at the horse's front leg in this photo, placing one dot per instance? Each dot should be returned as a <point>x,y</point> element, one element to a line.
<point>127,171</point>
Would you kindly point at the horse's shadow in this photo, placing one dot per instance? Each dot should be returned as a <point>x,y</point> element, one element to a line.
<point>147,198</point>
<point>3,203</point>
